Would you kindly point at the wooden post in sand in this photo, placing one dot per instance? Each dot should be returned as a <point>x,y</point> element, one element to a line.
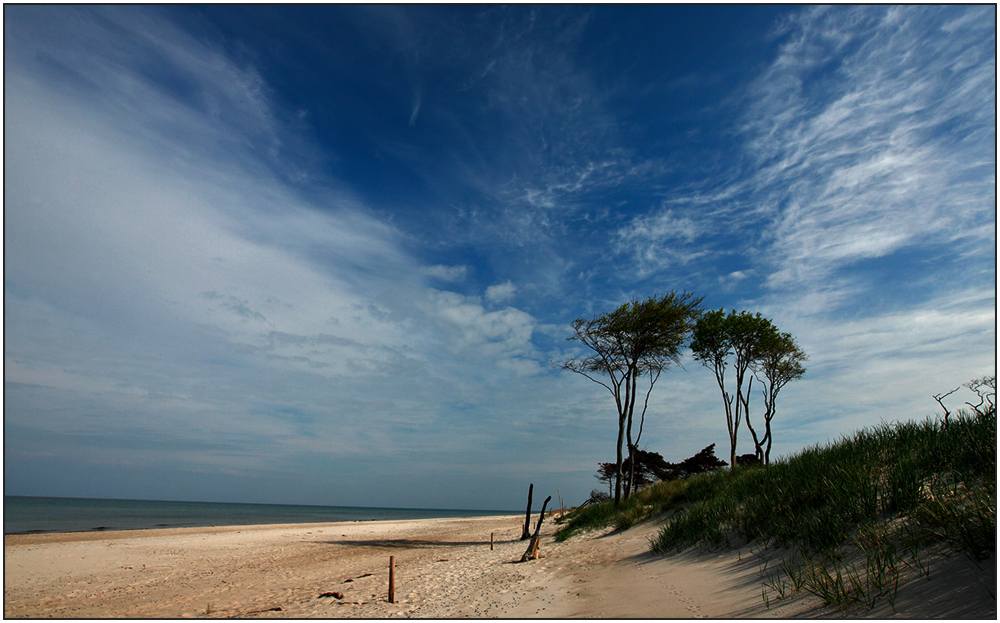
<point>491,541</point>
<point>526,533</point>
<point>392,579</point>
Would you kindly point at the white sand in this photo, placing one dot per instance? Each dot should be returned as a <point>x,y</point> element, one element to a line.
<point>444,568</point>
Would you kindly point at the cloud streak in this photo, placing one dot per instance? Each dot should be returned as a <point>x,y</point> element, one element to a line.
<point>893,149</point>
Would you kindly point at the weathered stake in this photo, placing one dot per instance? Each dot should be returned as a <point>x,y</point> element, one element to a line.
<point>392,579</point>
<point>526,533</point>
<point>491,541</point>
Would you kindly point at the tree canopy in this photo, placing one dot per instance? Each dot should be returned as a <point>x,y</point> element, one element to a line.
<point>747,341</point>
<point>779,360</point>
<point>641,338</point>
<point>737,338</point>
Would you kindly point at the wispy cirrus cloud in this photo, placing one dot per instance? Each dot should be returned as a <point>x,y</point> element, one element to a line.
<point>664,239</point>
<point>872,132</point>
<point>541,143</point>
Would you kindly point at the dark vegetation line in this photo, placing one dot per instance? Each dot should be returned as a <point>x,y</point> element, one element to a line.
<point>881,494</point>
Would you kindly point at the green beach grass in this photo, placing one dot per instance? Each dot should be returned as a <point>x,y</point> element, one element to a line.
<point>852,513</point>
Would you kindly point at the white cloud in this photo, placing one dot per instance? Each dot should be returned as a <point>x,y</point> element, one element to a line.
<point>159,242</point>
<point>501,333</point>
<point>667,225</point>
<point>501,292</point>
<point>453,274</point>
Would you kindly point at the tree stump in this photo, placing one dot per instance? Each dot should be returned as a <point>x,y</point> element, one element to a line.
<point>532,552</point>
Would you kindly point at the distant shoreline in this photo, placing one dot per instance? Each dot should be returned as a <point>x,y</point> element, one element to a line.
<point>80,536</point>
<point>45,515</point>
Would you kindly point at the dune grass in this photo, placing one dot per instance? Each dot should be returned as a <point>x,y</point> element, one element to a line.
<point>874,498</point>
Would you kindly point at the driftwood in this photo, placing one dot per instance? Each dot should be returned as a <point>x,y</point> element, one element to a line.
<point>532,552</point>
<point>526,532</point>
<point>274,609</point>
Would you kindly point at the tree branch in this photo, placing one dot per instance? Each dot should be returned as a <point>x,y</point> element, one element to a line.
<point>645,405</point>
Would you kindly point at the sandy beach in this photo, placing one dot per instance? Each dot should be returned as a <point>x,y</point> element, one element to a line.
<point>443,568</point>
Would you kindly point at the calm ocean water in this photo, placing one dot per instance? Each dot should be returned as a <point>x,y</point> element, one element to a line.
<point>37,514</point>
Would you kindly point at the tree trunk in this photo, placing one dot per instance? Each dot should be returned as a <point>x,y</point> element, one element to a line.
<point>758,442</point>
<point>733,430</point>
<point>728,403</point>
<point>767,451</point>
<point>768,415</point>
<point>526,533</point>
<point>739,413</point>
<point>532,552</point>
<point>632,447</point>
<point>618,474</point>
<point>758,451</point>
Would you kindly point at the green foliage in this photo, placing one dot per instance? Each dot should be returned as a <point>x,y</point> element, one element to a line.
<point>683,486</point>
<point>636,508</point>
<point>717,335</point>
<point>590,517</point>
<point>710,341</point>
<point>818,498</point>
<point>644,336</point>
<point>857,510</point>
<point>649,467</point>
<point>779,359</point>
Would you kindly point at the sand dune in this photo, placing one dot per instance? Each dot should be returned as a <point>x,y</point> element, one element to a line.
<point>444,568</point>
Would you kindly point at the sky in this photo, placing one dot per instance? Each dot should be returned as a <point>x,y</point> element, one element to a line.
<point>331,254</point>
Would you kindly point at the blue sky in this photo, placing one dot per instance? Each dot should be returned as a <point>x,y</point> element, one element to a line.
<point>328,255</point>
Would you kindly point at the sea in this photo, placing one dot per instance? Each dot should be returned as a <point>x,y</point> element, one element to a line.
<point>30,515</point>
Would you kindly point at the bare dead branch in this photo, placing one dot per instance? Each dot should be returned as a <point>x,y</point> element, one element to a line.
<point>940,397</point>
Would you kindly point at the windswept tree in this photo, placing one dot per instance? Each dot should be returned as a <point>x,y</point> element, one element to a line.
<point>644,468</point>
<point>638,339</point>
<point>986,388</point>
<point>779,360</point>
<point>721,340</point>
<point>606,473</point>
<point>704,461</point>
<point>651,467</point>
